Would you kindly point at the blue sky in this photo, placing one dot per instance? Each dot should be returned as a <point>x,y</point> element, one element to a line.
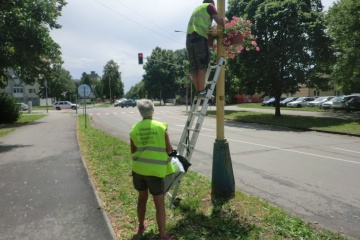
<point>96,31</point>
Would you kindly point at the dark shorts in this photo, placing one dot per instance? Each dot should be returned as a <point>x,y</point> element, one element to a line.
<point>198,52</point>
<point>143,183</point>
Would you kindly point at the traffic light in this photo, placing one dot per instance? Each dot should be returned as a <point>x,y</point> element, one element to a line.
<point>140,56</point>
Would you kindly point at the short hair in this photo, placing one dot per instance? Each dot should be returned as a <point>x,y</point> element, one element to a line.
<point>209,1</point>
<point>146,107</point>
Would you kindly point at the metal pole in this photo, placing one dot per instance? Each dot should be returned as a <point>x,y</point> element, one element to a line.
<point>223,182</point>
<point>85,108</point>
<point>46,96</point>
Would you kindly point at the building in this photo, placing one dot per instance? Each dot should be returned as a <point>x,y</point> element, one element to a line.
<point>24,93</point>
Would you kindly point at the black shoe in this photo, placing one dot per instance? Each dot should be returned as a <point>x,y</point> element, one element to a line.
<point>201,93</point>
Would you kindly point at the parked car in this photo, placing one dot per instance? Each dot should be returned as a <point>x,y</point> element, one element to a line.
<point>22,106</point>
<point>128,103</point>
<point>118,101</point>
<point>300,102</point>
<point>353,104</point>
<point>270,102</point>
<point>284,102</point>
<point>339,104</point>
<point>65,105</point>
<point>318,101</point>
<point>328,104</point>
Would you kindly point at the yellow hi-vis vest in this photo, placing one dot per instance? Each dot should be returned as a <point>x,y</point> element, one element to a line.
<point>200,21</point>
<point>150,157</point>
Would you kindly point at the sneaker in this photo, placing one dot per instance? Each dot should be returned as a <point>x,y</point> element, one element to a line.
<point>201,93</point>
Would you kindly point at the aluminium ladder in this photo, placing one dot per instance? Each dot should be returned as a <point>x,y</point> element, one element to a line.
<point>194,122</point>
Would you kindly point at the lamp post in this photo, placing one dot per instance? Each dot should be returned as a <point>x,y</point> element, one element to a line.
<point>46,96</point>
<point>93,92</point>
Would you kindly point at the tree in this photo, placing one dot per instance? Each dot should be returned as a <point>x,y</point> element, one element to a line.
<point>137,91</point>
<point>59,83</point>
<point>343,22</point>
<point>25,42</point>
<point>294,47</point>
<point>112,85</point>
<point>162,70</point>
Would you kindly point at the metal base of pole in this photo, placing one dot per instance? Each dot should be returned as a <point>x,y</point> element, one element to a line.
<point>223,183</point>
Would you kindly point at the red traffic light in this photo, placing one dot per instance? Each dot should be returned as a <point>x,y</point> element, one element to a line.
<point>140,57</point>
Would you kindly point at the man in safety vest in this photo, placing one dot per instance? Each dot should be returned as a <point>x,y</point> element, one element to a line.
<point>150,146</point>
<point>196,42</point>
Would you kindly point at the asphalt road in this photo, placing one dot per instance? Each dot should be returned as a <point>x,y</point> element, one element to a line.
<point>311,174</point>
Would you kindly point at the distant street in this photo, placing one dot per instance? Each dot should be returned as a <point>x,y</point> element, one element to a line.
<point>313,175</point>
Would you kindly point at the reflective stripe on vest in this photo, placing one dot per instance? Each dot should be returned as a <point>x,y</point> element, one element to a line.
<point>200,21</point>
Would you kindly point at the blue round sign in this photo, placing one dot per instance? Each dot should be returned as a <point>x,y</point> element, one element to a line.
<point>84,90</point>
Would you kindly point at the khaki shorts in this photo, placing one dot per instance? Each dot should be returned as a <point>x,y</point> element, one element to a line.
<point>143,183</point>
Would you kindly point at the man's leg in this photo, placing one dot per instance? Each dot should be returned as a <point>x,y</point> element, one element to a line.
<point>160,213</point>
<point>141,207</point>
<point>201,73</point>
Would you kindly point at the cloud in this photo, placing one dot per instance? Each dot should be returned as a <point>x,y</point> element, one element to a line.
<point>96,31</point>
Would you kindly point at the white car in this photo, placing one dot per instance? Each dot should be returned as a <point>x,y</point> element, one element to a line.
<point>329,104</point>
<point>317,102</point>
<point>65,105</point>
<point>23,106</point>
<point>300,102</point>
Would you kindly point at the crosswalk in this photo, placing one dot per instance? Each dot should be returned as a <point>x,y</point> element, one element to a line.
<point>128,112</point>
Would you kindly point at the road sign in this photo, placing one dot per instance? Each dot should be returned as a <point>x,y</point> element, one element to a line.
<point>84,90</point>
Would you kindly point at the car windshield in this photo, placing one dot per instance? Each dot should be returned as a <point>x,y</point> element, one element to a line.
<point>321,99</point>
<point>300,99</point>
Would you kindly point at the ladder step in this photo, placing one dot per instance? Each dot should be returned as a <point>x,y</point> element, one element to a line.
<point>196,113</point>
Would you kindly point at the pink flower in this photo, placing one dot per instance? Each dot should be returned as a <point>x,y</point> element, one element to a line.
<point>257,49</point>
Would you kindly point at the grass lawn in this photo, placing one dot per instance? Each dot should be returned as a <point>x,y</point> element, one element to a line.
<point>335,125</point>
<point>195,217</point>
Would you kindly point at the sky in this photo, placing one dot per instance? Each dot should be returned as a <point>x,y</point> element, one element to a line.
<point>96,31</point>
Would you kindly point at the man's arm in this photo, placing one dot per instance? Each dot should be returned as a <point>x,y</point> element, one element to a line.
<point>219,20</point>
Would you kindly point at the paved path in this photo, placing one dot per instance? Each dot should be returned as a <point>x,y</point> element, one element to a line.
<point>45,191</point>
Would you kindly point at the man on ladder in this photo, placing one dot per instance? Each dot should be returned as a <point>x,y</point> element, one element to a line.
<point>197,42</point>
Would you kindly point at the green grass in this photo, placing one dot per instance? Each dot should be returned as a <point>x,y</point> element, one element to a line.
<point>195,217</point>
<point>335,125</point>
<point>23,120</point>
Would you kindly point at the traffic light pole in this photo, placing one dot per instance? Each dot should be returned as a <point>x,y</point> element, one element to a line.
<point>222,183</point>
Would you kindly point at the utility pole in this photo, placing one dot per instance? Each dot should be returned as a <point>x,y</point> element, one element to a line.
<point>223,183</point>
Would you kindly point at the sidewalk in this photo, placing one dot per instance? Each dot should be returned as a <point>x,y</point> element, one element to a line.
<point>44,187</point>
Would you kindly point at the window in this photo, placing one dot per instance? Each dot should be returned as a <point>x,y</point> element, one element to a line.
<point>18,90</point>
<point>32,90</point>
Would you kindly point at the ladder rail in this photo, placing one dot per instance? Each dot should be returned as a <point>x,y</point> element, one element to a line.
<point>186,142</point>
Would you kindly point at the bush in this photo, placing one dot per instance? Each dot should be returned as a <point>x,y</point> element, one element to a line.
<point>9,110</point>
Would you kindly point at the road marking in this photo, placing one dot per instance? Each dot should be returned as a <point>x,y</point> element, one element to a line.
<point>345,150</point>
<point>289,150</point>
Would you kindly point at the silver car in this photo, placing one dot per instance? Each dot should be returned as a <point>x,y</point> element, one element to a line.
<point>23,106</point>
<point>329,104</point>
<point>300,102</point>
<point>317,102</point>
<point>65,105</point>
<point>340,103</point>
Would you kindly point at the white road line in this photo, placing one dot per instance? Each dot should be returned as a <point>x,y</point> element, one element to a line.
<point>345,150</point>
<point>289,150</point>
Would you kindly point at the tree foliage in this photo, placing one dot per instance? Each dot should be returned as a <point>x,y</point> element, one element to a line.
<point>9,110</point>
<point>112,85</point>
<point>294,47</point>
<point>25,42</point>
<point>343,21</point>
<point>59,85</point>
<point>162,71</point>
